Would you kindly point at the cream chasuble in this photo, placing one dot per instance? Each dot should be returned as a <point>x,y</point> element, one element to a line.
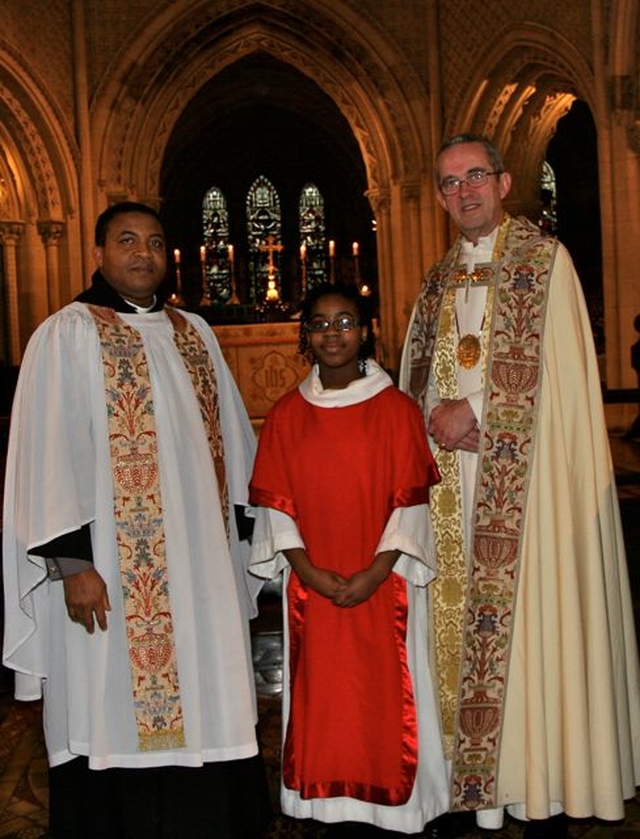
<point>534,512</point>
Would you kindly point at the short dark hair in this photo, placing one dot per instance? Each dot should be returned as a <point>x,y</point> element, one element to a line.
<point>350,292</point>
<point>495,158</point>
<point>107,216</point>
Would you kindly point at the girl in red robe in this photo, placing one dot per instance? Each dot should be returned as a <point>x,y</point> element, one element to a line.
<point>341,479</point>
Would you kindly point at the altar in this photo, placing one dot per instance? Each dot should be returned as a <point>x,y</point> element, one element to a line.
<point>264,361</point>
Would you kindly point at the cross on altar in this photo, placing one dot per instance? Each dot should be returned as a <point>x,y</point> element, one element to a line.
<point>271,247</point>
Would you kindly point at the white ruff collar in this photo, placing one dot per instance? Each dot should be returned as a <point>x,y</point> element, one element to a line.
<point>359,390</point>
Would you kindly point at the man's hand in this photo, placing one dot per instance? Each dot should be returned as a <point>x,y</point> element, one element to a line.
<point>86,595</point>
<point>453,425</point>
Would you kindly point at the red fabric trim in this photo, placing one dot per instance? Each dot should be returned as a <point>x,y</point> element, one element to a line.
<point>409,497</point>
<point>263,498</point>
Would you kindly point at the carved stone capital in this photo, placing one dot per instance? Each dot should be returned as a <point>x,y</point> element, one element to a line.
<point>10,232</point>
<point>634,136</point>
<point>380,200</point>
<point>411,192</point>
<point>51,232</point>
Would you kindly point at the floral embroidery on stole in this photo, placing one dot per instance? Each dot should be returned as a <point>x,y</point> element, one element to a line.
<point>504,465</point>
<point>139,514</point>
<point>200,368</point>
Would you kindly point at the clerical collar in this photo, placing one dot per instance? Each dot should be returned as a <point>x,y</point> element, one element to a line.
<point>141,310</point>
<point>100,293</point>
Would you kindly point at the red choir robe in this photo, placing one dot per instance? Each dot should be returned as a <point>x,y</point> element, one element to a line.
<point>339,472</point>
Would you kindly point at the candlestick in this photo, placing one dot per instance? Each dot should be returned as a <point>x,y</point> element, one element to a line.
<point>176,299</point>
<point>303,270</point>
<point>233,300</point>
<point>355,249</point>
<point>332,261</point>
<point>205,300</point>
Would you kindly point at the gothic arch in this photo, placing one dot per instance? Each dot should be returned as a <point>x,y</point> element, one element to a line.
<point>38,198</point>
<point>527,81</point>
<point>38,150</point>
<point>160,72</point>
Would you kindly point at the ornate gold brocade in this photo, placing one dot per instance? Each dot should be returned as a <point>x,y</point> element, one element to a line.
<point>139,513</point>
<point>512,373</point>
<point>200,368</point>
<point>448,591</point>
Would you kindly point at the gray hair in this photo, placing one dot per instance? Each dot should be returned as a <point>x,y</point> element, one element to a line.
<point>495,158</point>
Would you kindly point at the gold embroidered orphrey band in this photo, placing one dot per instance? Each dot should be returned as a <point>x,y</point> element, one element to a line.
<point>139,514</point>
<point>472,628</point>
<point>448,590</point>
<point>510,414</point>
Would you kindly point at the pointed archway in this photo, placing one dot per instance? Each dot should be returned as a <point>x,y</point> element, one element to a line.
<point>161,71</point>
<point>38,202</point>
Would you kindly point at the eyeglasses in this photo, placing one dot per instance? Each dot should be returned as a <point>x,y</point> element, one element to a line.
<point>343,323</point>
<point>475,179</point>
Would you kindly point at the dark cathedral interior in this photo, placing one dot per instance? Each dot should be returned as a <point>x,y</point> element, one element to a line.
<point>181,105</point>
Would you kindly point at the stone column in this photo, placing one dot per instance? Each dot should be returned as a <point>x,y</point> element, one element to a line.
<point>10,233</point>
<point>381,204</point>
<point>51,233</point>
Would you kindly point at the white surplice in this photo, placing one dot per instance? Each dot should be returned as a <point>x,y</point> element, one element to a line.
<point>58,478</point>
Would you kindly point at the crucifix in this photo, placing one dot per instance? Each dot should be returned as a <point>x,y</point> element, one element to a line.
<point>271,247</point>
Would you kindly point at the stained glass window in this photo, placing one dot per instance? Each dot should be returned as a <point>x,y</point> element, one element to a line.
<point>215,222</point>
<point>264,237</point>
<point>312,236</point>
<point>548,220</point>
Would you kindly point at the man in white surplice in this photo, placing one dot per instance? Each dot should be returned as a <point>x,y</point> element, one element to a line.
<point>127,601</point>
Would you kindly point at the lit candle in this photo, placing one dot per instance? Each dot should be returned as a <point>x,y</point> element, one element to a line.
<point>203,253</point>
<point>332,247</point>
<point>356,249</point>
<point>230,252</point>
<point>176,255</point>
<point>272,290</point>
<point>303,251</point>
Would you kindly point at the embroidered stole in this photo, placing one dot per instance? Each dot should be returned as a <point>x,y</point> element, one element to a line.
<point>473,605</point>
<point>139,513</point>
